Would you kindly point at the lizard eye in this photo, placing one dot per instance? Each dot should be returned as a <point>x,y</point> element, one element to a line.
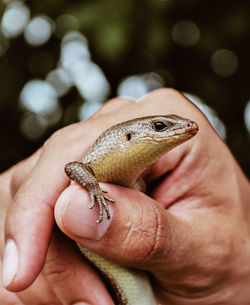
<point>160,126</point>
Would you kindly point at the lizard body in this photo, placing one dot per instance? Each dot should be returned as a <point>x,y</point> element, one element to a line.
<point>119,156</point>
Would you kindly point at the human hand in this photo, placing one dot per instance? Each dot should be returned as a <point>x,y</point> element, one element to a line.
<point>194,222</point>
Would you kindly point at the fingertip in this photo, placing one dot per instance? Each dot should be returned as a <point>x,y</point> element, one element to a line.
<point>18,269</point>
<point>27,239</point>
<point>75,219</point>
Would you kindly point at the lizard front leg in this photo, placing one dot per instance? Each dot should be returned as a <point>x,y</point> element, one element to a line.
<point>82,174</point>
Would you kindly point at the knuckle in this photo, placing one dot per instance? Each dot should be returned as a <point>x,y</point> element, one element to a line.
<point>113,105</point>
<point>55,138</point>
<point>158,243</point>
<point>15,182</point>
<point>17,177</point>
<point>59,272</point>
<point>56,270</point>
<point>62,137</point>
<point>147,239</point>
<point>167,92</point>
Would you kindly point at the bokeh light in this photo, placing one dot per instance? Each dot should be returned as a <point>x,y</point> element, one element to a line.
<point>224,62</point>
<point>185,33</point>
<point>85,75</point>
<point>39,97</point>
<point>39,30</point>
<point>60,80</point>
<point>33,126</point>
<point>88,108</point>
<point>136,86</point>
<point>14,19</point>
<point>74,48</point>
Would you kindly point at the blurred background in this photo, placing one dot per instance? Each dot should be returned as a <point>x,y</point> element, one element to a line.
<point>60,60</point>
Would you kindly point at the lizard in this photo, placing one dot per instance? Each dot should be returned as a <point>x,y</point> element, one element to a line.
<point>119,156</point>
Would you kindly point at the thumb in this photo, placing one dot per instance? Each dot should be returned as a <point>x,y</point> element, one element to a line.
<point>140,233</point>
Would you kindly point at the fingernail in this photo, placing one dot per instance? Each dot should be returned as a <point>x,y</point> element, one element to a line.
<point>10,262</point>
<point>77,218</point>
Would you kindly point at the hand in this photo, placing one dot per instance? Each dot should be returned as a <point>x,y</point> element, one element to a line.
<point>191,230</point>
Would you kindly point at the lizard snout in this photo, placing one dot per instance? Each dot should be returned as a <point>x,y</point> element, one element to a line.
<point>192,127</point>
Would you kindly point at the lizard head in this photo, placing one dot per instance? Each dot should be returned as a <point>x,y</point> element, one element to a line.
<point>168,129</point>
<point>135,144</point>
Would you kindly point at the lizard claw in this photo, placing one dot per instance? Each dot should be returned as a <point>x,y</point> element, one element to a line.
<point>97,195</point>
<point>108,198</point>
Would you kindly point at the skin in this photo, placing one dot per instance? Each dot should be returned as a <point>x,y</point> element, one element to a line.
<point>190,231</point>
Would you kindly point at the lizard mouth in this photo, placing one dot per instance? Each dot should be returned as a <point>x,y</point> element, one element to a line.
<point>190,128</point>
<point>193,132</point>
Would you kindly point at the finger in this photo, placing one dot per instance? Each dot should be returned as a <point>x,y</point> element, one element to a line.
<point>169,100</point>
<point>21,170</point>
<point>141,229</point>
<point>34,201</point>
<point>71,277</point>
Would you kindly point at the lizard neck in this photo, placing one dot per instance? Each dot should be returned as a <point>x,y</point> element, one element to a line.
<point>125,164</point>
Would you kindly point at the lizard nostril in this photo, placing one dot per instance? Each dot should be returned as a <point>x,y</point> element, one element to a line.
<point>189,125</point>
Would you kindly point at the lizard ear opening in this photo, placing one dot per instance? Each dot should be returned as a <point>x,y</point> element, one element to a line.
<point>129,136</point>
